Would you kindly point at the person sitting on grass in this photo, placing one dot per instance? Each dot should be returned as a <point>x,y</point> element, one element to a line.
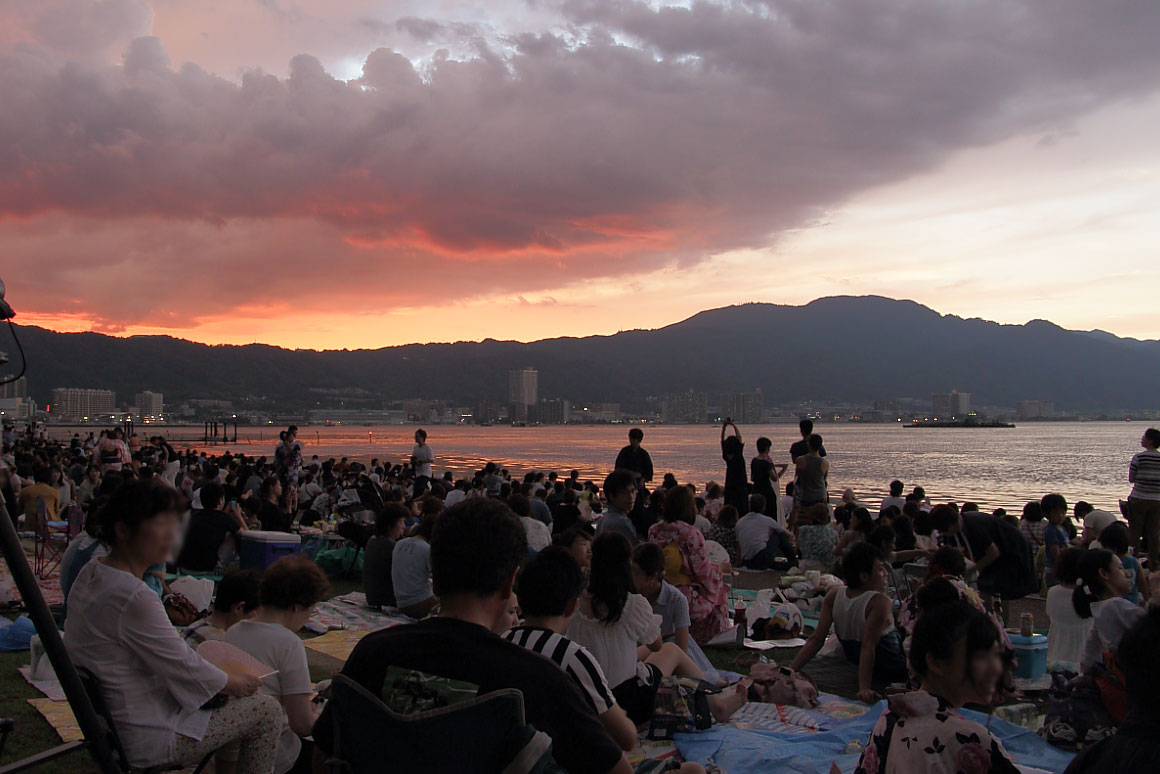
<point>476,548</point>
<point>1136,744</point>
<point>411,571</point>
<point>862,615</point>
<point>234,599</point>
<point>612,622</point>
<point>761,540</point>
<point>289,590</point>
<point>377,557</point>
<point>956,655</point>
<point>549,588</point>
<point>648,580</point>
<point>153,684</point>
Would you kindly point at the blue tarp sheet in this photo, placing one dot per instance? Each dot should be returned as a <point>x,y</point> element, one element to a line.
<point>737,751</point>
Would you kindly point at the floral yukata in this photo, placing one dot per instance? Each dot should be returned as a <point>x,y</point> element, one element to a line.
<point>920,733</point>
<point>700,579</point>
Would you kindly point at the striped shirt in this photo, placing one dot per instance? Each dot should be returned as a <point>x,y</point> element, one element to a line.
<point>572,658</point>
<point>1145,470</point>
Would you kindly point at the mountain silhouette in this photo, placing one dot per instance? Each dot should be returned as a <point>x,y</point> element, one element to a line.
<point>838,349</point>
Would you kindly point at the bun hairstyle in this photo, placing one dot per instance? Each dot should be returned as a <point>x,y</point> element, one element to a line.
<point>941,627</point>
<point>1091,585</point>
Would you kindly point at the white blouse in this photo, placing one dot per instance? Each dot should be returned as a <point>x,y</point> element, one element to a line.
<point>614,644</point>
<point>153,683</point>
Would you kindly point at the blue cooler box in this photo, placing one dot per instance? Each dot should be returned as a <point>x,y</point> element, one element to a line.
<point>1032,653</point>
<point>260,549</point>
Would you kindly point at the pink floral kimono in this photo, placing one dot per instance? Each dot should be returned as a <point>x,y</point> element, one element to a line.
<point>700,579</point>
<point>920,733</point>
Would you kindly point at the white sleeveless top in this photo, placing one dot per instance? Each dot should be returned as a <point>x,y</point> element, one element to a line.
<point>850,615</point>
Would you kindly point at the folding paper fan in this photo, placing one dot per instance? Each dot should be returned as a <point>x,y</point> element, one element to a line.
<point>233,660</point>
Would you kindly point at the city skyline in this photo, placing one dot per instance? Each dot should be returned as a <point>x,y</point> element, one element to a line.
<point>358,174</point>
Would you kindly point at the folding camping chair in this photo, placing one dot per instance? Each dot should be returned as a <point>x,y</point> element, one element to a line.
<point>50,542</point>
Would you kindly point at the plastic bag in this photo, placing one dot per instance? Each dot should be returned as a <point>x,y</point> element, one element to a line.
<point>16,635</point>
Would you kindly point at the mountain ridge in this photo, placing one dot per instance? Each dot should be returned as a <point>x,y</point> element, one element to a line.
<point>835,349</point>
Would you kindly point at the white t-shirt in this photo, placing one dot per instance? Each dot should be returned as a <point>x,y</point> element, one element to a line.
<point>154,685</point>
<point>1068,632</point>
<point>423,459</point>
<point>614,644</point>
<point>411,571</point>
<point>454,497</point>
<point>539,536</point>
<point>753,532</point>
<point>703,524</point>
<point>897,502</point>
<point>278,648</point>
<point>1111,619</point>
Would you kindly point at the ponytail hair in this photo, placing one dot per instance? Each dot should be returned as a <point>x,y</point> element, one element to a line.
<point>1090,585</point>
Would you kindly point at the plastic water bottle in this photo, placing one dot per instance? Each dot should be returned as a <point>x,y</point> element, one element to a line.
<point>739,621</point>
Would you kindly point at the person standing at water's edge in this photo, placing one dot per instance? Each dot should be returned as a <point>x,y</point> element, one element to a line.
<point>810,486</point>
<point>802,448</point>
<point>732,451</point>
<point>635,457</point>
<point>767,479</point>
<point>421,460</point>
<point>1144,501</point>
<point>288,458</point>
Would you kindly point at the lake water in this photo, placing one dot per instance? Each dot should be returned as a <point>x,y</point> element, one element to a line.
<point>997,467</point>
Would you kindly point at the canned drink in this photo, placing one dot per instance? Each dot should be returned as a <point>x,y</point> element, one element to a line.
<point>1027,624</point>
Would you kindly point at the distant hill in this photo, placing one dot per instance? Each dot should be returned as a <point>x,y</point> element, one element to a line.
<point>835,349</point>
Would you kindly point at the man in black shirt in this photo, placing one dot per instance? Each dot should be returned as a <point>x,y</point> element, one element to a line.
<point>633,457</point>
<point>476,548</point>
<point>209,527</point>
<point>802,447</point>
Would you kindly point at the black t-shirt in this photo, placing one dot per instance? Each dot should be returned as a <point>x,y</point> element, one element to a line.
<point>761,472</point>
<point>467,652</point>
<point>203,539</point>
<point>637,460</point>
<point>273,518</point>
<point>734,466</point>
<point>801,449</point>
<point>376,574</point>
<point>979,530</point>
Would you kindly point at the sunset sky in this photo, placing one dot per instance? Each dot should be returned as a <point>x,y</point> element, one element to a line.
<point>359,174</point>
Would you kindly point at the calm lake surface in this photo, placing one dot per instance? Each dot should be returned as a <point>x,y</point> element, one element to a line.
<point>994,467</point>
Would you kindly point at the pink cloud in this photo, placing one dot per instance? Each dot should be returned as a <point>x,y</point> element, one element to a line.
<point>718,128</point>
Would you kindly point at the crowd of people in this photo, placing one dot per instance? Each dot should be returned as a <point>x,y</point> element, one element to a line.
<point>620,583</point>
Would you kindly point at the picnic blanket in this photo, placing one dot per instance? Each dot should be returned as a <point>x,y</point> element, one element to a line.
<point>49,587</point>
<point>60,716</point>
<point>802,749</point>
<point>350,611</point>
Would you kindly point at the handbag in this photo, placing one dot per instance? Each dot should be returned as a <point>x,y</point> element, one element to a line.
<point>180,610</point>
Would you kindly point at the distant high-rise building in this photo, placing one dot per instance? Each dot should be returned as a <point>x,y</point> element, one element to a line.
<point>149,404</point>
<point>743,407</point>
<point>684,408</point>
<point>886,406</point>
<point>523,393</point>
<point>1035,409</point>
<point>16,389</point>
<point>950,405</point>
<point>79,403</point>
<point>485,413</point>
<point>554,412</point>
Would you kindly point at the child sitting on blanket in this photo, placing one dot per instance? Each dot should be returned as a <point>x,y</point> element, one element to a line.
<point>289,590</point>
<point>648,578</point>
